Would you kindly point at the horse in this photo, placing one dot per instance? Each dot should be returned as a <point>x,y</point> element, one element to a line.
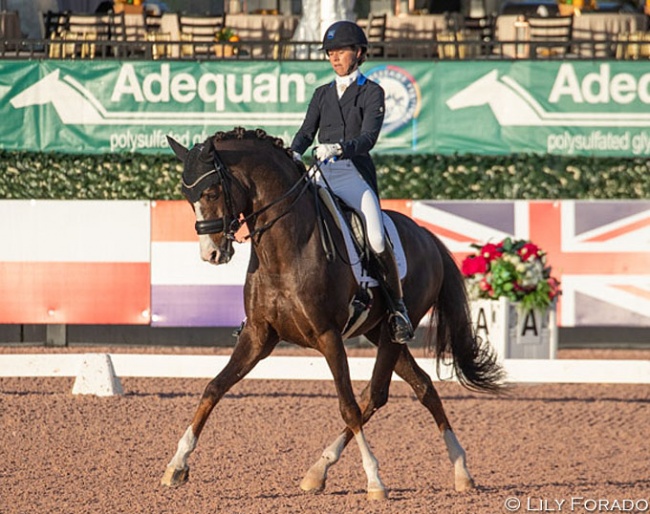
<point>294,292</point>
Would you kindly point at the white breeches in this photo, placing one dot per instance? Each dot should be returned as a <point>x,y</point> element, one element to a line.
<point>346,181</point>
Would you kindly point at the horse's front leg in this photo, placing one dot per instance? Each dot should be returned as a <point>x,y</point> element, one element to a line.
<point>373,397</point>
<point>248,351</point>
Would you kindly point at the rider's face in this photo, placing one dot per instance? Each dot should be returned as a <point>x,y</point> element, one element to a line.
<point>343,60</point>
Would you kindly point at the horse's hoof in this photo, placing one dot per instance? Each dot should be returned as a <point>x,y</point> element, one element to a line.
<point>174,477</point>
<point>312,485</point>
<point>377,494</point>
<point>464,484</point>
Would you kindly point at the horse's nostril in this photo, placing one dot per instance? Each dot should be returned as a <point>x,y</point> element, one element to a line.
<point>213,256</point>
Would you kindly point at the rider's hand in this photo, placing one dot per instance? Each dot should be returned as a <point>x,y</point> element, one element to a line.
<point>325,152</point>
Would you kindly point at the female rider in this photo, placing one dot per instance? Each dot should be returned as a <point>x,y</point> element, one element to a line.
<point>348,113</point>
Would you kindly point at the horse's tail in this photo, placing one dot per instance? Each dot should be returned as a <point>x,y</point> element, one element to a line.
<point>474,361</point>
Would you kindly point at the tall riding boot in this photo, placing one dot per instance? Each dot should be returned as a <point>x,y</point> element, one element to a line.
<point>400,325</point>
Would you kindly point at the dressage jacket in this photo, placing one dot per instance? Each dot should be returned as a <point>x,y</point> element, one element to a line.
<point>354,122</point>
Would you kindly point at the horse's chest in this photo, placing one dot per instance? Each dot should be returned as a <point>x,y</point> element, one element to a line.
<point>282,296</point>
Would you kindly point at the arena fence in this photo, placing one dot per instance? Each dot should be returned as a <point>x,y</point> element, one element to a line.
<point>450,48</point>
<point>99,373</point>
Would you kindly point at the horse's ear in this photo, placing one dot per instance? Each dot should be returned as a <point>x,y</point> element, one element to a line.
<point>179,149</point>
<point>206,152</point>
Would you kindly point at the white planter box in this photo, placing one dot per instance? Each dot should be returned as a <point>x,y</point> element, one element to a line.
<point>514,334</point>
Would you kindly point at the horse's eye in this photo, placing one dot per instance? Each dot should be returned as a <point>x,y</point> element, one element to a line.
<point>211,196</point>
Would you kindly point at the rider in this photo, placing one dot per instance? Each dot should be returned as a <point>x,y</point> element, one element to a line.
<point>348,113</point>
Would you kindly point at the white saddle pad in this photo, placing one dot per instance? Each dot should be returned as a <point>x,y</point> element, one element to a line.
<point>360,274</point>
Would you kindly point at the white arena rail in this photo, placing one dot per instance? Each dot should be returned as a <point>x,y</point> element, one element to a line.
<point>93,370</point>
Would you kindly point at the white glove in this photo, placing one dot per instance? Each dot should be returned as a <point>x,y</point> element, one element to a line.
<point>297,157</point>
<point>325,152</point>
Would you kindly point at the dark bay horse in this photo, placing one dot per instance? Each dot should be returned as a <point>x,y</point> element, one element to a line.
<point>293,292</point>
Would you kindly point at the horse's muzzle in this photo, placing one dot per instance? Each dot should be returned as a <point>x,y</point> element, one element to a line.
<point>226,251</point>
<point>224,258</point>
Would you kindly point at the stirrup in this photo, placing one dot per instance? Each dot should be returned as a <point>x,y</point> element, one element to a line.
<point>401,330</point>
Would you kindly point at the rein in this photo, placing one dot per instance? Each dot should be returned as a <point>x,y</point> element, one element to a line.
<point>230,223</point>
<point>253,216</point>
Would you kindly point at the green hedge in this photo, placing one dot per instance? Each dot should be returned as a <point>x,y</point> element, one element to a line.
<point>27,175</point>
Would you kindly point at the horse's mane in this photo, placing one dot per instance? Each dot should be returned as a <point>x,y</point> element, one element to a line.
<point>242,133</point>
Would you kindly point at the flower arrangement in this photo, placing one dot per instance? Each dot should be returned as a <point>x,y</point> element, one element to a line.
<point>223,38</point>
<point>569,7</point>
<point>515,269</point>
<point>226,34</point>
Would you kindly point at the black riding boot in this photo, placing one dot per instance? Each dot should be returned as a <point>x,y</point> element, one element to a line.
<point>400,325</point>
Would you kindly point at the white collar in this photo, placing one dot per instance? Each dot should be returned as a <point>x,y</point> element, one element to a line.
<point>347,79</point>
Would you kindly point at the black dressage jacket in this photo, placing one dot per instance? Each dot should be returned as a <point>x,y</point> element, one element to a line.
<point>354,122</point>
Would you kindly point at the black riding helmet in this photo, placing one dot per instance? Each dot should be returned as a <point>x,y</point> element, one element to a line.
<point>342,34</point>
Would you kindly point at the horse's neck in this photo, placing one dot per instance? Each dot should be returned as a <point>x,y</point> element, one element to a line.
<point>289,237</point>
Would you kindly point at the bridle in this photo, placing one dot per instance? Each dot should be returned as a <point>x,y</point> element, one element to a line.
<point>216,226</point>
<point>231,222</point>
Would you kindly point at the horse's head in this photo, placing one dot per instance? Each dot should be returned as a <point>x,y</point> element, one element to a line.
<point>206,184</point>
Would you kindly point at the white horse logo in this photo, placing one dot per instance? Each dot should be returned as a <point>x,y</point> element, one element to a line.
<point>72,102</point>
<point>512,105</point>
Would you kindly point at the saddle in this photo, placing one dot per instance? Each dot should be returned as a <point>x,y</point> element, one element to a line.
<point>359,256</point>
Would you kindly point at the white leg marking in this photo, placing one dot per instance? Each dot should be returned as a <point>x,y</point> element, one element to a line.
<point>317,474</point>
<point>186,446</point>
<point>462,478</point>
<point>333,452</point>
<point>370,465</point>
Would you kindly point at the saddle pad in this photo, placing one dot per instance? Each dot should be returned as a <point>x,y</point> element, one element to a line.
<point>360,273</point>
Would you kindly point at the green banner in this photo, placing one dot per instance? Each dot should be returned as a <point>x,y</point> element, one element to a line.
<point>483,107</point>
<point>562,107</point>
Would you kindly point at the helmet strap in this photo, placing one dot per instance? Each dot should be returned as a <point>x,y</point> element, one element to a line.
<point>355,63</point>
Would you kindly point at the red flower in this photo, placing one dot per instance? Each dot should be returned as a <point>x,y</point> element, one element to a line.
<point>528,251</point>
<point>484,285</point>
<point>554,287</point>
<point>474,264</point>
<point>491,251</point>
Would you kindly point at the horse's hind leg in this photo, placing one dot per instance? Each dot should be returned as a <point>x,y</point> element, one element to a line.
<point>246,354</point>
<point>415,376</point>
<point>331,346</point>
<point>373,397</point>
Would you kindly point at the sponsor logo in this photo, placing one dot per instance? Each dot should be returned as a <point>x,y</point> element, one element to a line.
<point>76,105</point>
<point>512,105</point>
<point>403,99</point>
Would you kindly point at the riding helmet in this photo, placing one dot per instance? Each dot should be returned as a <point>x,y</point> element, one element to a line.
<point>342,34</point>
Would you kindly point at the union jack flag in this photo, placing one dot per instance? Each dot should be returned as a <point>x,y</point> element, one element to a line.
<point>599,250</point>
